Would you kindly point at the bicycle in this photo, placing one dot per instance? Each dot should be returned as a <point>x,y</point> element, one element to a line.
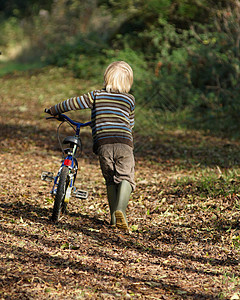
<point>63,187</point>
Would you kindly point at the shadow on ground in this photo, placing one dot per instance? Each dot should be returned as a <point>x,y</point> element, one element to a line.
<point>48,264</point>
<point>186,149</point>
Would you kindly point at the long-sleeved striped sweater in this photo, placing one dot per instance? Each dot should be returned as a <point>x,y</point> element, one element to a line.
<point>112,115</point>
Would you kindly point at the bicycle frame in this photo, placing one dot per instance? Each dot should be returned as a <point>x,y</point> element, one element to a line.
<point>72,165</point>
<point>70,159</point>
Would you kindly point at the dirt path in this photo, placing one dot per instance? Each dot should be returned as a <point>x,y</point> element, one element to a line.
<point>184,241</point>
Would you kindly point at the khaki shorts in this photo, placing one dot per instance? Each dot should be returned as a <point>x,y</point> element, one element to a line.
<point>117,163</point>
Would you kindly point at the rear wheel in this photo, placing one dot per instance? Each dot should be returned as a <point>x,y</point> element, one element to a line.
<point>59,203</point>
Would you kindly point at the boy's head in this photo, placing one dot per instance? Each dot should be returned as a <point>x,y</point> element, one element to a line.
<point>118,77</point>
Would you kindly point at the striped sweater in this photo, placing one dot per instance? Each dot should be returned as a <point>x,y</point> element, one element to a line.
<point>112,115</point>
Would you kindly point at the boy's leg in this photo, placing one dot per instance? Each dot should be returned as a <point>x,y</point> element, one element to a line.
<point>112,201</point>
<point>124,164</point>
<point>123,195</point>
<point>124,176</point>
<point>117,165</point>
<point>105,154</point>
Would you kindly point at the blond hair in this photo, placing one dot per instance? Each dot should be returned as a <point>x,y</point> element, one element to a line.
<point>118,77</point>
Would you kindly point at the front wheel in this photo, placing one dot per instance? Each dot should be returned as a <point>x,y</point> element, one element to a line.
<point>59,203</point>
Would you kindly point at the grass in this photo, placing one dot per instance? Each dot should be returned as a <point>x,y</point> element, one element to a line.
<point>212,182</point>
<point>11,67</point>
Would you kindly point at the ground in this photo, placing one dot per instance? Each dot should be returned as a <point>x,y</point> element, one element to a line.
<point>184,237</point>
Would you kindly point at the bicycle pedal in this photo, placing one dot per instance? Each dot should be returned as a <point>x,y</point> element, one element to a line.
<point>80,194</point>
<point>47,176</point>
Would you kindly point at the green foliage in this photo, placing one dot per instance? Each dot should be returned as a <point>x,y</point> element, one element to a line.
<point>11,33</point>
<point>174,11</point>
<point>197,69</point>
<point>26,8</point>
<point>215,73</point>
<point>185,54</point>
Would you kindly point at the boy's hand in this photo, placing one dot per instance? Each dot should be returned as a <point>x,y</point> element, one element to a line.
<point>47,111</point>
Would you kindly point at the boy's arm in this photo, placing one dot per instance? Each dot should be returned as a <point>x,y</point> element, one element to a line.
<point>75,103</point>
<point>131,118</point>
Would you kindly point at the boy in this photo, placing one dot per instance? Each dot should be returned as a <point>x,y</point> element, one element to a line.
<point>112,122</point>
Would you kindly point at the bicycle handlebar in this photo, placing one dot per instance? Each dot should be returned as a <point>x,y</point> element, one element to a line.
<point>62,117</point>
<point>74,122</point>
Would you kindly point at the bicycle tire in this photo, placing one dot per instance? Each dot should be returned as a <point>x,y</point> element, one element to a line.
<point>59,203</point>
<point>64,204</point>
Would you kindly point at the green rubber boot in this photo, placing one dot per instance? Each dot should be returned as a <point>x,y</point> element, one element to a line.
<point>112,201</point>
<point>123,195</point>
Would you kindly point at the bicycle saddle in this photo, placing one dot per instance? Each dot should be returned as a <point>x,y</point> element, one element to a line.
<point>72,140</point>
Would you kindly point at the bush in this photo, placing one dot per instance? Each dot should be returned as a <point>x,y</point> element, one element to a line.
<point>215,73</point>
<point>198,71</point>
